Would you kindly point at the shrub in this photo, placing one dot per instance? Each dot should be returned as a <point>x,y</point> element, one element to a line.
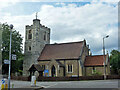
<point>96,73</point>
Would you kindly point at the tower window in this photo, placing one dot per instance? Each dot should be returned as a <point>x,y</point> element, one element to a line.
<point>48,36</point>
<point>29,48</point>
<point>30,31</point>
<point>36,33</point>
<point>30,34</point>
<point>45,36</point>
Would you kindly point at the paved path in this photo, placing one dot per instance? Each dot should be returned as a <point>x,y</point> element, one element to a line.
<point>69,84</point>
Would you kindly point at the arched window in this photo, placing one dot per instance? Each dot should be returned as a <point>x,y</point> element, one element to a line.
<point>30,31</point>
<point>48,36</point>
<point>30,34</point>
<point>45,36</point>
<point>29,48</point>
<point>53,71</point>
<point>43,66</point>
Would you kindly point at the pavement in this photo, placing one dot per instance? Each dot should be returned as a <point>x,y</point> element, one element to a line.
<point>65,84</point>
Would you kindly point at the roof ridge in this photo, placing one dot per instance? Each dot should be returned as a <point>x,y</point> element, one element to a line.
<point>95,55</point>
<point>65,43</point>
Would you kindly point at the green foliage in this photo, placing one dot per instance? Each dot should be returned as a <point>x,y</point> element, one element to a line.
<point>96,73</point>
<point>115,61</point>
<point>16,48</point>
<point>20,71</point>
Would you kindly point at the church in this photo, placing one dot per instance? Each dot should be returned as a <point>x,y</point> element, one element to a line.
<point>70,59</point>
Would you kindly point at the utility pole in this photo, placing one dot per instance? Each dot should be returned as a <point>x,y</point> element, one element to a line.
<point>104,57</point>
<point>11,27</point>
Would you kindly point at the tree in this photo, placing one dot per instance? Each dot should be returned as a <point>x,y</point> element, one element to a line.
<point>0,48</point>
<point>115,61</point>
<point>16,49</point>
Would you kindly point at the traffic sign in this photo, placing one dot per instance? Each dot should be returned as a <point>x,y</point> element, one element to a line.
<point>3,81</point>
<point>46,73</point>
<point>6,61</point>
<point>13,57</point>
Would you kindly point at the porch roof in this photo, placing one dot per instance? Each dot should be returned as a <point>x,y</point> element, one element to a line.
<point>36,67</point>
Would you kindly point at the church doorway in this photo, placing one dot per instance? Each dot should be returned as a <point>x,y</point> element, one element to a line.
<point>53,71</point>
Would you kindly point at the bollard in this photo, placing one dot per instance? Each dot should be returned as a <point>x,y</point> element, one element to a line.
<point>6,87</point>
<point>33,81</point>
<point>2,87</point>
<point>12,85</point>
<point>6,84</point>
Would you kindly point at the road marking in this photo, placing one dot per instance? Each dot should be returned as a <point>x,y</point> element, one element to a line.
<point>49,85</point>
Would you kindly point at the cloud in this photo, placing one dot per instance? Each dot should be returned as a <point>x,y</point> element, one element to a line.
<point>91,21</point>
<point>72,23</point>
<point>61,1</point>
<point>6,3</point>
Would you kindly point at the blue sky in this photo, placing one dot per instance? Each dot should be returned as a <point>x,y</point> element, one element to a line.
<point>69,21</point>
<point>24,8</point>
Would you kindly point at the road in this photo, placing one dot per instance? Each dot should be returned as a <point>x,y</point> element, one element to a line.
<point>69,84</point>
<point>81,84</point>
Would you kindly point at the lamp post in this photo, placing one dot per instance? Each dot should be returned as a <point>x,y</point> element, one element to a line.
<point>104,57</point>
<point>11,27</point>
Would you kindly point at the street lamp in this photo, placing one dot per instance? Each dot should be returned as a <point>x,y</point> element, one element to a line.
<point>11,27</point>
<point>104,57</point>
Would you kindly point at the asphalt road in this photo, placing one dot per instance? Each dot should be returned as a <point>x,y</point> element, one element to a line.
<point>82,84</point>
<point>69,84</point>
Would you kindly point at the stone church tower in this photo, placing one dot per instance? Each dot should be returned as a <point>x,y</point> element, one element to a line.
<point>36,36</point>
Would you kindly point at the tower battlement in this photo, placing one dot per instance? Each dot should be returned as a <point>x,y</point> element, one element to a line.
<point>45,27</point>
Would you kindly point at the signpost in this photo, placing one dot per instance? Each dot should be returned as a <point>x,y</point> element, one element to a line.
<point>6,61</point>
<point>13,57</point>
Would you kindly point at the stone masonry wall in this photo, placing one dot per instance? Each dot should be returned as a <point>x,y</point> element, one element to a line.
<point>100,69</point>
<point>60,70</point>
<point>40,37</point>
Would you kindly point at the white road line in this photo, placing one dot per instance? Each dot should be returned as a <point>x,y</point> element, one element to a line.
<point>54,84</point>
<point>49,86</point>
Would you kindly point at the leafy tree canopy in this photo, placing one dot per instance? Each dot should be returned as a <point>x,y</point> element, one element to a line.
<point>16,48</point>
<point>115,61</point>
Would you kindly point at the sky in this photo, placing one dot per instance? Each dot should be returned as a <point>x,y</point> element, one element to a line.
<point>69,21</point>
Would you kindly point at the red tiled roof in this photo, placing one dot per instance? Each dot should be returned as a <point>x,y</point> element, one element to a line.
<point>97,60</point>
<point>61,51</point>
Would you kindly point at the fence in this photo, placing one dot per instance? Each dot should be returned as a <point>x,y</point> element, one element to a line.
<point>66,78</point>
